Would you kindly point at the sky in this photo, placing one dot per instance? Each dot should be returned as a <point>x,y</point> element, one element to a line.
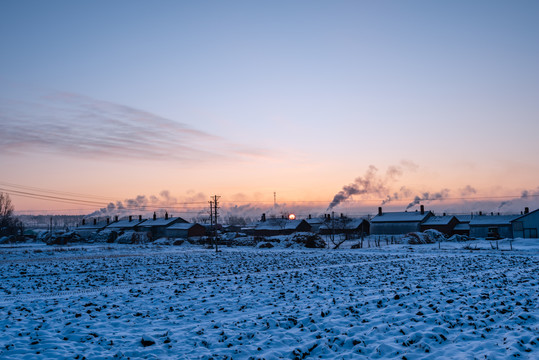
<point>175,101</point>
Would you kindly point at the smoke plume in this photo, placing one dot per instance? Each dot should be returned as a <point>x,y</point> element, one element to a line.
<point>467,190</point>
<point>428,197</point>
<point>370,183</point>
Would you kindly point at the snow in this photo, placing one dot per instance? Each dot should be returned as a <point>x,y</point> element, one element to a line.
<point>412,216</point>
<point>166,302</point>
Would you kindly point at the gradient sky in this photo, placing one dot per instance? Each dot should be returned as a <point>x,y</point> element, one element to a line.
<point>243,98</point>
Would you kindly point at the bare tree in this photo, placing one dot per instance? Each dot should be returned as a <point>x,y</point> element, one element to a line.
<point>9,225</point>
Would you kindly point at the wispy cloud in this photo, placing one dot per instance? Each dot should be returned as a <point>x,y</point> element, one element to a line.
<point>78,125</point>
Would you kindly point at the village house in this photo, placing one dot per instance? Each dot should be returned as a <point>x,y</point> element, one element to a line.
<point>395,223</point>
<point>127,224</point>
<point>185,230</point>
<point>352,228</point>
<point>86,229</point>
<point>526,225</point>
<point>272,227</point>
<point>492,226</point>
<point>156,227</point>
<point>444,224</point>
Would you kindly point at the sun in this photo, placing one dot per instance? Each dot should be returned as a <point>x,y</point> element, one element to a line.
<point>291,217</point>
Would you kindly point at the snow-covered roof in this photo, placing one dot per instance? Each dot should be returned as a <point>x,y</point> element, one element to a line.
<point>439,220</point>
<point>522,216</point>
<point>161,222</point>
<point>462,226</point>
<point>91,226</point>
<point>124,224</point>
<point>352,224</point>
<point>278,224</point>
<point>464,218</point>
<point>315,221</point>
<point>181,226</point>
<point>413,216</point>
<point>485,220</point>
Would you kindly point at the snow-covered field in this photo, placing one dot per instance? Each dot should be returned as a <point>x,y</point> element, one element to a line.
<point>397,301</point>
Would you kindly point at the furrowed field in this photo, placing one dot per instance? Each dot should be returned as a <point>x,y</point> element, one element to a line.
<point>413,302</point>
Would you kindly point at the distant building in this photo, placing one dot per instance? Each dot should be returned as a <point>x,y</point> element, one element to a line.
<point>272,227</point>
<point>444,224</point>
<point>463,227</point>
<point>185,230</point>
<point>156,227</point>
<point>484,225</point>
<point>527,225</point>
<point>352,228</point>
<point>127,224</point>
<point>395,223</point>
<point>85,230</point>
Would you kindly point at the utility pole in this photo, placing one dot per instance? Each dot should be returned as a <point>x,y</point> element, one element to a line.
<point>214,206</point>
<point>211,214</point>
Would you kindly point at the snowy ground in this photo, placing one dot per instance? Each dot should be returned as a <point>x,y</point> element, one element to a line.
<point>397,301</point>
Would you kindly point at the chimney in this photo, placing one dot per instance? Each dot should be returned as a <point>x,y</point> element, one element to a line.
<point>492,214</point>
<point>108,221</point>
<point>380,211</point>
<point>140,218</point>
<point>480,213</point>
<point>95,221</point>
<point>263,218</point>
<point>342,215</point>
<point>282,217</point>
<point>166,215</point>
<point>154,216</point>
<point>422,209</point>
<point>130,218</point>
<point>444,214</point>
<point>83,222</point>
<point>526,210</point>
<point>310,216</point>
<point>116,218</point>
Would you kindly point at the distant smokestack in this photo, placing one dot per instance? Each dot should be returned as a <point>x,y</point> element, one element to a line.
<point>422,209</point>
<point>83,222</point>
<point>526,210</point>
<point>263,218</point>
<point>130,218</point>
<point>380,211</point>
<point>154,216</point>
<point>166,215</point>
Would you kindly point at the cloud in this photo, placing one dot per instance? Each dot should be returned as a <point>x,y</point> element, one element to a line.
<point>78,125</point>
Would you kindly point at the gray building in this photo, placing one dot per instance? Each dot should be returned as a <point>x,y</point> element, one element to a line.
<point>87,229</point>
<point>156,227</point>
<point>527,225</point>
<point>484,226</point>
<point>396,223</point>
<point>185,230</point>
<point>272,227</point>
<point>128,224</point>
